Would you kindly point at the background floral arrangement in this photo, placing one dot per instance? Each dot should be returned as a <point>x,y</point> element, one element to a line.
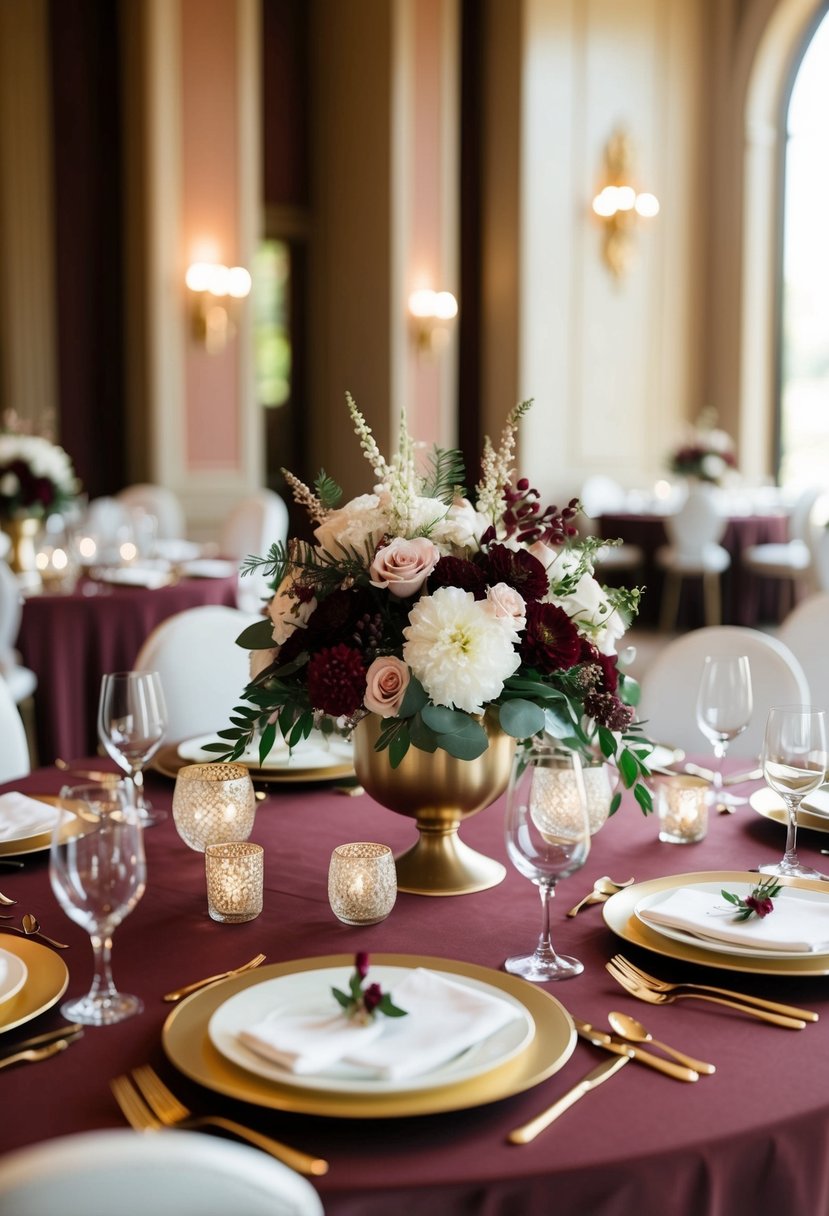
<point>707,453</point>
<point>36,475</point>
<point>425,608</point>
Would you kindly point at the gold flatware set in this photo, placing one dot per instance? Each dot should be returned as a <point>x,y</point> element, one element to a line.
<point>42,1046</point>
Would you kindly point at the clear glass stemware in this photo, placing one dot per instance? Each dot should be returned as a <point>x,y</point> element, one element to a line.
<point>548,838</point>
<point>132,720</point>
<point>98,874</point>
<point>724,707</point>
<point>794,764</point>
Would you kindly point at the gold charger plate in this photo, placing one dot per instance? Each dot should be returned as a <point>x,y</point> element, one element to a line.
<point>619,916</point>
<point>167,761</point>
<point>771,806</point>
<point>30,844</point>
<point>187,1044</point>
<point>46,983</point>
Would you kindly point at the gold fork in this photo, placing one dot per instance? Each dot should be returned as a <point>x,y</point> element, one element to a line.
<point>33,1054</point>
<point>133,1107</point>
<point>178,993</point>
<point>172,1113</point>
<point>640,990</point>
<point>658,985</point>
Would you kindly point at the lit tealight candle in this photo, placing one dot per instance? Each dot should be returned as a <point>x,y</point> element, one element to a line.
<point>682,806</point>
<point>234,874</point>
<point>362,883</point>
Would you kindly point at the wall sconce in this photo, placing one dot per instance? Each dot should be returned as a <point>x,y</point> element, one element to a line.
<point>214,289</point>
<point>431,313</point>
<point>619,205</point>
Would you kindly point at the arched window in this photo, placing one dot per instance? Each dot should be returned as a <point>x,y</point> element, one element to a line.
<point>803,406</point>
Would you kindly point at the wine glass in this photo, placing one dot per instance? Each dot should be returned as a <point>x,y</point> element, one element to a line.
<point>794,764</point>
<point>98,874</point>
<point>548,838</point>
<point>132,719</point>
<point>724,705</point>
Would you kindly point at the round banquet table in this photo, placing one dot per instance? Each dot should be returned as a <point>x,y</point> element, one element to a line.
<point>71,640</point>
<point>746,599</point>
<point>755,1136</point>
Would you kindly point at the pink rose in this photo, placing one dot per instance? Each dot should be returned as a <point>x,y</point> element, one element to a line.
<point>386,682</point>
<point>404,565</point>
<point>507,605</point>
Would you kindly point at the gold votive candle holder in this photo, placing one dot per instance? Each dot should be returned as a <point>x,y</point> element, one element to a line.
<point>213,804</point>
<point>682,808</point>
<point>235,877</point>
<point>362,883</point>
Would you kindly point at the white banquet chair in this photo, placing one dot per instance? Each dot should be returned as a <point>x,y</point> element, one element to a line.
<point>21,680</point>
<point>253,525</point>
<point>202,670</point>
<point>670,683</point>
<point>600,495</point>
<point>15,759</point>
<point>805,631</point>
<point>794,560</point>
<point>159,502</point>
<point>168,1173</point>
<point>693,551</point>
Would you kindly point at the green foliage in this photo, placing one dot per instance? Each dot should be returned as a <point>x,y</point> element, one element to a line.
<point>445,475</point>
<point>328,491</point>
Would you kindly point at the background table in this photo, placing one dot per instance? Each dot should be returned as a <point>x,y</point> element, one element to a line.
<point>70,641</point>
<point>746,599</point>
<point>754,1137</point>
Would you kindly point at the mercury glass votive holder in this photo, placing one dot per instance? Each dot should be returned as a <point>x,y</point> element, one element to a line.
<point>362,883</point>
<point>234,873</point>
<point>682,808</point>
<point>213,804</point>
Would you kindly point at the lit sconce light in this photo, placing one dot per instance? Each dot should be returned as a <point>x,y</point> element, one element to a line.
<point>620,205</point>
<point>431,315</point>
<point>215,288</point>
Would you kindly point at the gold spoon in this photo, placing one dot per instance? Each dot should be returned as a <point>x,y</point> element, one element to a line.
<point>603,888</point>
<point>628,1028</point>
<point>31,928</point>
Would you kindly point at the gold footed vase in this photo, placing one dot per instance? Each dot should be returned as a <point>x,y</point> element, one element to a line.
<point>438,792</point>
<point>22,554</point>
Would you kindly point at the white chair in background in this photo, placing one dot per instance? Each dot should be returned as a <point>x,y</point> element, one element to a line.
<point>21,681</point>
<point>693,551</point>
<point>793,560</point>
<point>806,633</point>
<point>169,1173</point>
<point>600,495</point>
<point>15,760</point>
<point>161,503</point>
<point>252,527</point>
<point>202,670</point>
<point>671,681</point>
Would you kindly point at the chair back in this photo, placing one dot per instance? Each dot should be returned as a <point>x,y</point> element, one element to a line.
<point>252,527</point>
<point>670,683</point>
<point>805,631</point>
<point>698,524</point>
<point>161,503</point>
<point>202,670</point>
<point>15,761</point>
<point>21,680</point>
<point>181,1172</point>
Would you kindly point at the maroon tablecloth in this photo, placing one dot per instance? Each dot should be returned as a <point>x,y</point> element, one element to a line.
<point>70,641</point>
<point>746,599</point>
<point>753,1137</point>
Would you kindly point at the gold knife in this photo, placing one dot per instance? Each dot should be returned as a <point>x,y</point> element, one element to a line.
<point>71,1032</point>
<point>529,1131</point>
<point>600,1038</point>
<point>34,1054</point>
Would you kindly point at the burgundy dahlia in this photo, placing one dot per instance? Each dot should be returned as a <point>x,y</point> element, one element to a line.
<point>459,572</point>
<point>517,568</point>
<point>551,641</point>
<point>337,681</point>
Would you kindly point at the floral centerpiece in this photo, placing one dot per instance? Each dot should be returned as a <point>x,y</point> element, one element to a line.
<point>36,476</point>
<point>430,610</point>
<point>706,453</point>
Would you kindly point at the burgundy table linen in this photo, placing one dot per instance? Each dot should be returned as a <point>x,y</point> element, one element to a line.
<point>71,641</point>
<point>755,1136</point>
<point>746,598</point>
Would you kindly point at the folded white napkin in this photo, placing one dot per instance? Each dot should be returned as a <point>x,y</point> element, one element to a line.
<point>443,1018</point>
<point>797,923</point>
<point>135,576</point>
<point>21,816</point>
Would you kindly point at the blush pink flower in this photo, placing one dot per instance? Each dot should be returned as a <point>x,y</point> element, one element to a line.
<point>386,682</point>
<point>402,566</point>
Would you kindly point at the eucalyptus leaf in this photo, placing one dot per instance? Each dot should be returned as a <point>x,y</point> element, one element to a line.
<point>445,721</point>
<point>521,719</point>
<point>414,698</point>
<point>258,636</point>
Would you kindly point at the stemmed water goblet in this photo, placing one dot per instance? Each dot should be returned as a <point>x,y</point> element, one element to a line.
<point>132,720</point>
<point>724,706</point>
<point>98,874</point>
<point>794,764</point>
<point>548,838</point>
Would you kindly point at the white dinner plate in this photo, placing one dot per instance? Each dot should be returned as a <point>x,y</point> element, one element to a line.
<point>13,975</point>
<point>309,992</point>
<point>207,567</point>
<point>709,943</point>
<point>134,576</point>
<point>317,752</point>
